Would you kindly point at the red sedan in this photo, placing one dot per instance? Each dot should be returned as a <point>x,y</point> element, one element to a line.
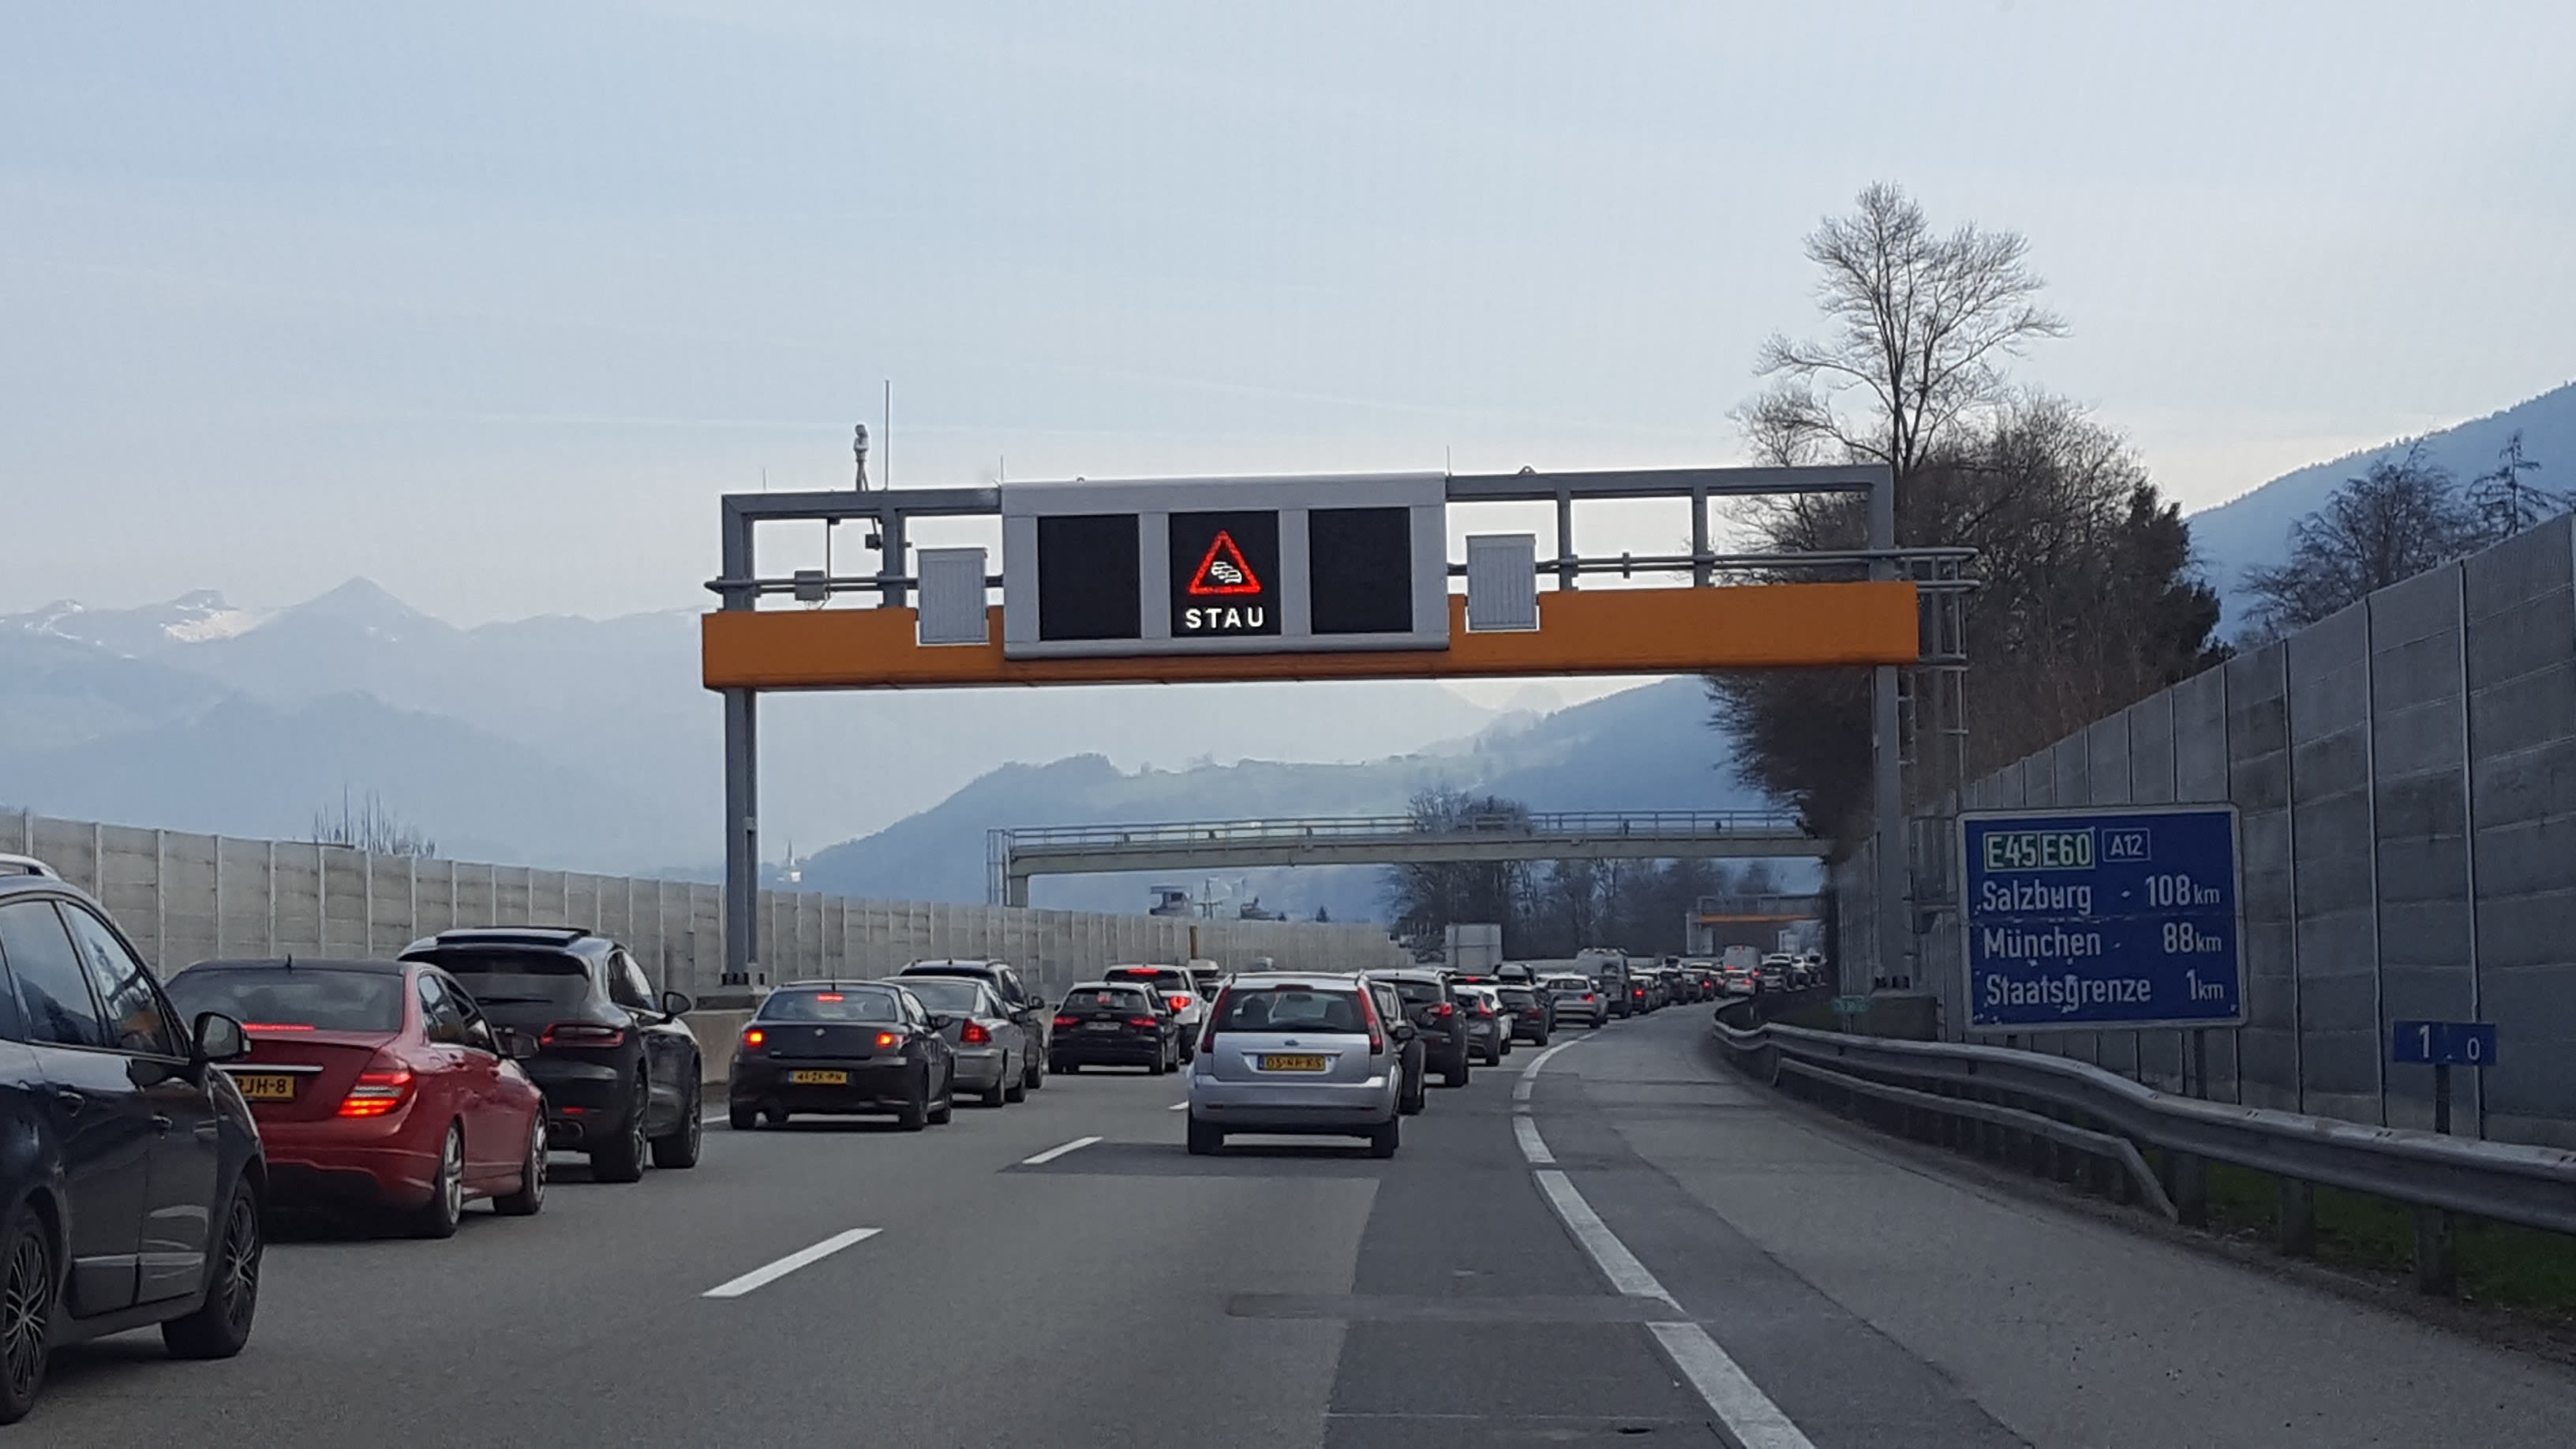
<point>377,1084</point>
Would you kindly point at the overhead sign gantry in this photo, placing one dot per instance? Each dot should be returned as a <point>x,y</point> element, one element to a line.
<point>1313,577</point>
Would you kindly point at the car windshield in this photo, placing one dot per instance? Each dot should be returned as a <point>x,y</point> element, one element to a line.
<point>849,1003</point>
<point>950,996</point>
<point>1104,1000</point>
<point>292,998</point>
<point>519,978</point>
<point>1290,1008</point>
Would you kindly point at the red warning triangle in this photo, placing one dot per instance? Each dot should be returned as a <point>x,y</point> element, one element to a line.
<point>1224,570</point>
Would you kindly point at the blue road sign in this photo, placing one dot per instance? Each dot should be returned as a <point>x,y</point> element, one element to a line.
<point>2116,916</point>
<point>2443,1043</point>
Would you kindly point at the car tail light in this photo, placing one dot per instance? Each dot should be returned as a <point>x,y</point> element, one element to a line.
<point>1216,1013</point>
<point>1143,1023</point>
<point>1587,996</point>
<point>1179,1003</point>
<point>582,1034</point>
<point>753,1036</point>
<point>889,1038</point>
<point>1444,1011</point>
<point>1376,1031</point>
<point>377,1093</point>
<point>974,1034</point>
<point>1063,1020</point>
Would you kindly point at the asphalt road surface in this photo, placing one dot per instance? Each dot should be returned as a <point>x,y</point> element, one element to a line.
<point>1627,1245</point>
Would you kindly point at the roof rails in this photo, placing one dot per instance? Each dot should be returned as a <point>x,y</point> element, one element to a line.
<point>27,865</point>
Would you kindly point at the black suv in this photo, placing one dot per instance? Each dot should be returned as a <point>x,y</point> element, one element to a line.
<point>1020,1003</point>
<point>132,1184</point>
<point>1435,1012</point>
<point>619,1068</point>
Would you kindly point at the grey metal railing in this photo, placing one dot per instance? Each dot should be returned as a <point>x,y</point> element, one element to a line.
<point>2084,1107</point>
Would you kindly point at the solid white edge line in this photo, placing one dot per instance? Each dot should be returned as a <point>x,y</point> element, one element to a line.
<point>802,1257</point>
<point>1620,1266</point>
<point>1181,1106</point>
<point>1529,1074</point>
<point>1748,1413</point>
<point>1052,1153</point>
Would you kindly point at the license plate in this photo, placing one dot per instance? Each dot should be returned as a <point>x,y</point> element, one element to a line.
<point>1100,1026</point>
<point>1274,1063</point>
<point>265,1086</point>
<point>818,1079</point>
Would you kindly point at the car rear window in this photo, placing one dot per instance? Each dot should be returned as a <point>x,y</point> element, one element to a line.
<point>1290,1008</point>
<point>293,998</point>
<point>852,1003</point>
<point>1515,996</point>
<point>1174,979</point>
<point>520,978</point>
<point>950,997</point>
<point>1419,993</point>
<point>1096,1001</point>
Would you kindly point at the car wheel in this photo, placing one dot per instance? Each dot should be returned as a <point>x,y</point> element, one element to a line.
<point>742,1119</point>
<point>1542,1040</point>
<point>1017,1087</point>
<point>1456,1076</point>
<point>221,1325</point>
<point>1189,1048</point>
<point>680,1148</point>
<point>914,1115</point>
<point>947,1108</point>
<point>1382,1142</point>
<point>530,1195</point>
<point>27,1281</point>
<point>998,1093</point>
<point>1065,1068</point>
<point>1034,1074</point>
<point>1204,1139</point>
<point>1161,1062</point>
<point>1416,1097</point>
<point>438,1217</point>
<point>623,1159</point>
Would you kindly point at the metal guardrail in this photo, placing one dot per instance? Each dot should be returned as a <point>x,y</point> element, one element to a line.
<point>2505,1182</point>
<point>1647,824</point>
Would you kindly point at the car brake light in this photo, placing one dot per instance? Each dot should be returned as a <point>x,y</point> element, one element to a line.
<point>1376,1032</point>
<point>276,1026</point>
<point>828,996</point>
<point>974,1034</point>
<point>1444,1011</point>
<point>889,1038</point>
<point>753,1036</point>
<point>1145,1023</point>
<point>1063,1020</point>
<point>582,1034</point>
<point>377,1093</point>
<point>1179,1003</point>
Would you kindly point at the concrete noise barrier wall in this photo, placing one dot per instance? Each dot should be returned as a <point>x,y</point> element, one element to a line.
<point>2405,772</point>
<point>184,898</point>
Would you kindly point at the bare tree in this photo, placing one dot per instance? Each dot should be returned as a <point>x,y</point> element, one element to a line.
<point>2399,518</point>
<point>2506,505</point>
<point>368,824</point>
<point>1921,323</point>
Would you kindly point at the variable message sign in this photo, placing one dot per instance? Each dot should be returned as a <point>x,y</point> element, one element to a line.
<point>2114,916</point>
<point>1224,566</point>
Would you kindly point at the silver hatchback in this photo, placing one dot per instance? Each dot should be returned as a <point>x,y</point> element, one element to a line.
<point>1301,1054</point>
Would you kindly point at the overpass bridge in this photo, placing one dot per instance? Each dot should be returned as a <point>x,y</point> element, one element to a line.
<point>1015,855</point>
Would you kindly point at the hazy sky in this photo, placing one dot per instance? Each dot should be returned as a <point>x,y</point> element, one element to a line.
<point>488,302</point>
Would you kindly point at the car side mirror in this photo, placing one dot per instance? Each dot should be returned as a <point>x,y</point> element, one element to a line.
<point>941,1023</point>
<point>515,1044</point>
<point>220,1038</point>
<point>677,1003</point>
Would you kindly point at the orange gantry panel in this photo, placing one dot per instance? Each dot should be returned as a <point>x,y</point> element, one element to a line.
<point>1597,631</point>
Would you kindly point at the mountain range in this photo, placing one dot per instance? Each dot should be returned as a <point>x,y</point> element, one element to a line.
<point>2254,528</point>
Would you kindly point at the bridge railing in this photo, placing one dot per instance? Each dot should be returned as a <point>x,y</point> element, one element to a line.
<point>1648,824</point>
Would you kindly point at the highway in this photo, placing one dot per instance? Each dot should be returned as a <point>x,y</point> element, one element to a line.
<point>1626,1245</point>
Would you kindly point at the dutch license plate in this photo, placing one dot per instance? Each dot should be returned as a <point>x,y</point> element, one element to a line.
<point>265,1086</point>
<point>818,1079</point>
<point>1276,1063</point>
<point>1100,1026</point>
